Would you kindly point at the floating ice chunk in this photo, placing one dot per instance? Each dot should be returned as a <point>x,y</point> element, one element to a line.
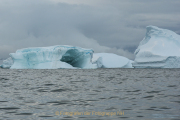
<point>159,49</point>
<point>110,60</point>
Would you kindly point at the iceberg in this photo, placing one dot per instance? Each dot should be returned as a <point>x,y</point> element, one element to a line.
<point>110,60</point>
<point>63,56</point>
<point>160,48</point>
<point>7,63</point>
<point>53,57</point>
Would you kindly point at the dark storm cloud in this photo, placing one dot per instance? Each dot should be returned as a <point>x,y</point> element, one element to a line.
<point>106,26</point>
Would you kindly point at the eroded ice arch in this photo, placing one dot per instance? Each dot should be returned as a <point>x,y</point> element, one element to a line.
<point>52,57</point>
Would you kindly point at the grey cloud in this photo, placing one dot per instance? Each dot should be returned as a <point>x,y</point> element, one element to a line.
<point>114,26</point>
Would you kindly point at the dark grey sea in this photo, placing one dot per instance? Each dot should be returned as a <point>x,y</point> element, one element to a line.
<point>101,94</point>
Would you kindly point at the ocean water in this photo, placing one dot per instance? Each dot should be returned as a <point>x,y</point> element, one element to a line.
<point>102,94</point>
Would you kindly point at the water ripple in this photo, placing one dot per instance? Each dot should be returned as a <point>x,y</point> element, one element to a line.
<point>41,94</point>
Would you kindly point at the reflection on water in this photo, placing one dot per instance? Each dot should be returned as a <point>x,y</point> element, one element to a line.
<point>48,94</point>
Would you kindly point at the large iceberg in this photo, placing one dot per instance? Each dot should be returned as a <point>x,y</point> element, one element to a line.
<point>159,49</point>
<point>52,57</point>
<point>62,56</point>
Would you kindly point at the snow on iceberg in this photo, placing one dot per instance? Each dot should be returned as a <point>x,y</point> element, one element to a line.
<point>110,60</point>
<point>52,57</point>
<point>159,49</point>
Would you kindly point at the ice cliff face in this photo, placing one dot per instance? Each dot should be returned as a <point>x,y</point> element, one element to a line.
<point>52,58</point>
<point>159,49</point>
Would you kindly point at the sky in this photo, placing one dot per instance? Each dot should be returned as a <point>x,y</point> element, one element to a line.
<point>111,26</point>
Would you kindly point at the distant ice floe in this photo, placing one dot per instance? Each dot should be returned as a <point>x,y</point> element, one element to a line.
<point>63,56</point>
<point>159,49</point>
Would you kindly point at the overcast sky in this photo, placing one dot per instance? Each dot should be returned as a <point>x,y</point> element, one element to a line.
<point>115,26</point>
